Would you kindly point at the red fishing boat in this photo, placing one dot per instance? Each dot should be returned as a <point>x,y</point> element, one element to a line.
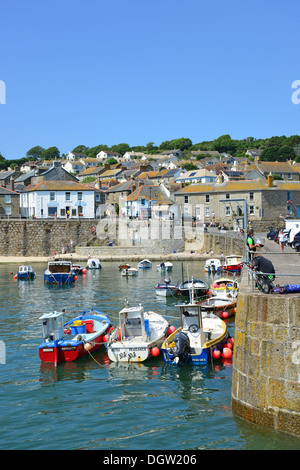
<point>76,338</point>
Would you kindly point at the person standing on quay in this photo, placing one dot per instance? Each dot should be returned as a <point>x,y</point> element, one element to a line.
<point>282,240</point>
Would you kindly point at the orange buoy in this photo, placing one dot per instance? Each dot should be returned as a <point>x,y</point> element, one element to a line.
<point>87,346</point>
<point>155,351</point>
<point>234,310</point>
<point>119,333</point>
<point>15,277</point>
<point>227,353</point>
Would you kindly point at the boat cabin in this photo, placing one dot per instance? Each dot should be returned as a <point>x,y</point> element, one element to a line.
<point>25,270</point>
<point>133,324</point>
<point>59,267</point>
<point>53,326</point>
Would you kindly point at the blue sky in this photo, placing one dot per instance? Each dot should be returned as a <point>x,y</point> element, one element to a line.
<point>93,72</point>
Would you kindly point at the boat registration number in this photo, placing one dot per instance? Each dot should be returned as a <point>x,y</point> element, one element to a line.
<point>131,354</point>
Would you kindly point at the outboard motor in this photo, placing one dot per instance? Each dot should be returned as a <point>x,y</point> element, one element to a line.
<point>182,353</point>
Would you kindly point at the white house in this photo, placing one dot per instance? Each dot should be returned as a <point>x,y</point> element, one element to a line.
<point>105,154</point>
<point>74,166</point>
<point>197,176</point>
<point>61,199</point>
<point>75,155</point>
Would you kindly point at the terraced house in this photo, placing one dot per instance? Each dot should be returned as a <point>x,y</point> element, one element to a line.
<point>224,202</point>
<point>61,199</point>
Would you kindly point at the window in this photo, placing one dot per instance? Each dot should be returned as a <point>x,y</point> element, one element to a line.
<point>251,210</point>
<point>52,211</point>
<point>7,210</point>
<point>289,176</point>
<point>288,196</point>
<point>186,199</point>
<point>207,211</point>
<point>142,202</point>
<point>62,212</point>
<point>227,211</point>
<point>7,199</point>
<point>227,196</point>
<point>73,212</point>
<point>207,198</point>
<point>52,196</point>
<point>79,196</point>
<point>251,196</point>
<point>80,211</point>
<point>68,196</point>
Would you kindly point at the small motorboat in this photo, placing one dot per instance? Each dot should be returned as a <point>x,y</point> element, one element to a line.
<point>199,334</point>
<point>200,287</point>
<point>212,265</point>
<point>130,272</point>
<point>25,272</point>
<point>93,263</point>
<point>220,306</point>
<point>145,264</point>
<point>225,287</point>
<point>78,269</point>
<point>76,338</point>
<point>138,336</point>
<point>164,267</point>
<point>233,263</point>
<point>59,272</point>
<point>124,266</point>
<point>167,289</point>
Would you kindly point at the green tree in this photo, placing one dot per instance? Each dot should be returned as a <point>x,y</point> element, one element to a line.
<point>80,149</point>
<point>120,148</point>
<point>35,152</point>
<point>224,143</point>
<point>50,153</point>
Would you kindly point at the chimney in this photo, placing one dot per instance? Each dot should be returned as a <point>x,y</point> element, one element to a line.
<point>98,183</point>
<point>12,184</point>
<point>270,180</point>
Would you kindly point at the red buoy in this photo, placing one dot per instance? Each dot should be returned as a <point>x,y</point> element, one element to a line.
<point>228,345</point>
<point>216,354</point>
<point>171,329</point>
<point>227,353</point>
<point>224,315</point>
<point>105,338</point>
<point>15,277</point>
<point>230,340</point>
<point>84,271</point>
<point>155,351</point>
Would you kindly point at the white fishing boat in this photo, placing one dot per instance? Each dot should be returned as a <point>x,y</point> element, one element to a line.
<point>225,287</point>
<point>223,307</point>
<point>200,288</point>
<point>164,266</point>
<point>129,272</point>
<point>93,263</point>
<point>145,264</point>
<point>138,336</point>
<point>167,289</point>
<point>212,265</point>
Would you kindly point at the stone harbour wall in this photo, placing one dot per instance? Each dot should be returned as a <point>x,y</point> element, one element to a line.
<point>266,361</point>
<point>41,238</point>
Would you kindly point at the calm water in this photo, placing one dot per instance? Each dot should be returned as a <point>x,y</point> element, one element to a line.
<point>94,404</point>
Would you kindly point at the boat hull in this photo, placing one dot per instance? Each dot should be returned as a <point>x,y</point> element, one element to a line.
<point>166,291</point>
<point>127,351</point>
<point>25,275</point>
<point>201,358</point>
<point>219,305</point>
<point>59,278</point>
<point>72,347</point>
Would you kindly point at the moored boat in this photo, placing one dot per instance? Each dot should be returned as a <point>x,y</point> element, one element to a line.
<point>220,306</point>
<point>76,338</point>
<point>212,265</point>
<point>200,287</point>
<point>138,336</point>
<point>93,263</point>
<point>59,272</point>
<point>78,269</point>
<point>164,266</point>
<point>25,272</point>
<point>167,289</point>
<point>129,272</point>
<point>124,266</point>
<point>199,334</point>
<point>233,263</point>
<point>145,264</point>
<point>225,287</point>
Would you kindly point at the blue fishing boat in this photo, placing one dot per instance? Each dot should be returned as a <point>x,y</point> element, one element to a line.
<point>145,264</point>
<point>59,272</point>
<point>25,272</point>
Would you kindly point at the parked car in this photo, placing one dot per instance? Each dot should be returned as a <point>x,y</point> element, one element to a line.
<point>272,233</point>
<point>296,240</point>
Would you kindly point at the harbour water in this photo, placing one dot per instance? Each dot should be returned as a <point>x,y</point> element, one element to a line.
<point>95,404</point>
